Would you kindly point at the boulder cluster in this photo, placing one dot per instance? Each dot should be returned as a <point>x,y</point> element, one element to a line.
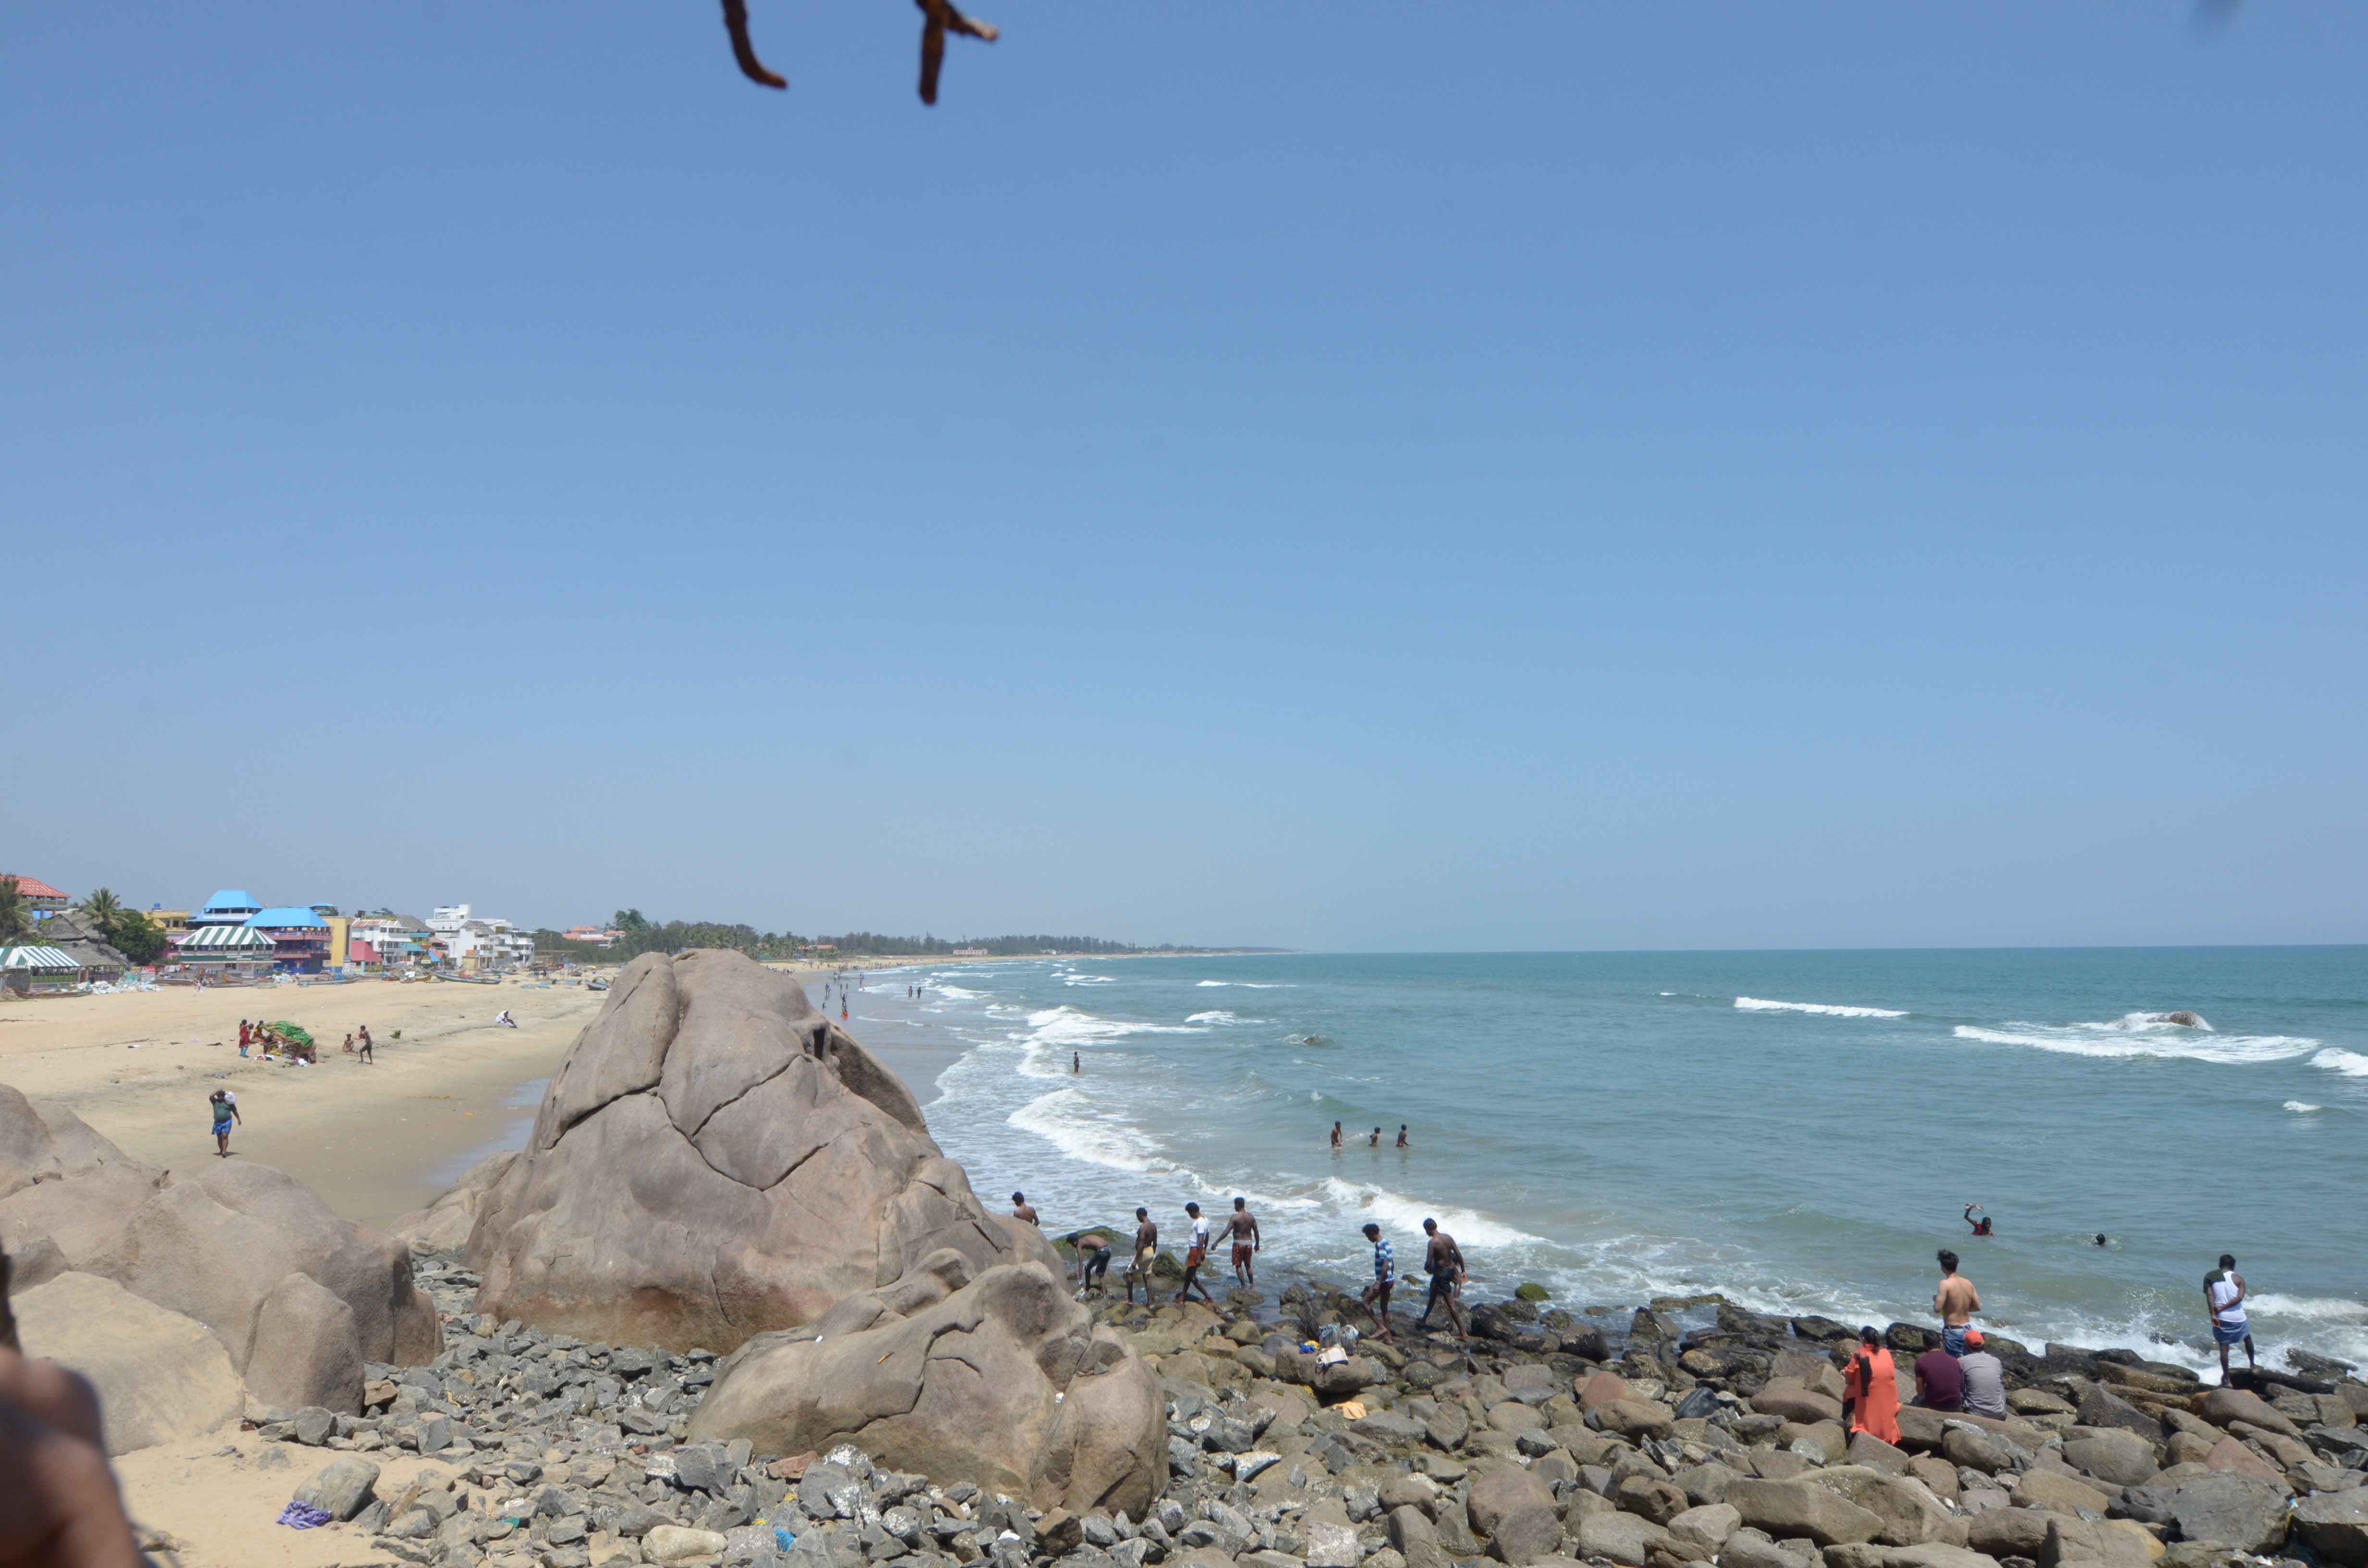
<point>1719,1444</point>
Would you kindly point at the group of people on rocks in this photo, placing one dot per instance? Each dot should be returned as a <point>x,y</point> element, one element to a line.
<point>1442,1261</point>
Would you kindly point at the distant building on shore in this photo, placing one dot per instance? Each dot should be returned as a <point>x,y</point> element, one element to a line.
<point>593,936</point>
<point>231,907</point>
<point>395,942</point>
<point>66,932</point>
<point>472,943</point>
<point>300,938</point>
<point>172,922</point>
<point>38,896</point>
<point>970,952</point>
<point>225,951</point>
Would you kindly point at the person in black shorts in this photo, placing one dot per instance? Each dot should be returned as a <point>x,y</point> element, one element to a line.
<point>1443,1260</point>
<point>1093,1258</point>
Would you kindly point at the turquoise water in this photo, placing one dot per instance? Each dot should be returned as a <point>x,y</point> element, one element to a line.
<point>1799,1130</point>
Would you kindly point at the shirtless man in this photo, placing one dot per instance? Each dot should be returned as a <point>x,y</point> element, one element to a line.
<point>1093,1260</point>
<point>1335,1126</point>
<point>1375,1141</point>
<point>1402,1143</point>
<point>1023,1210</point>
<point>1956,1300</point>
<point>1443,1261</point>
<point>1146,1247</point>
<point>1241,1228</point>
<point>1194,1256</point>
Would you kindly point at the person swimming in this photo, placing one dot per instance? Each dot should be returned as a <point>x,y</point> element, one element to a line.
<point>2100,1239</point>
<point>1981,1226</point>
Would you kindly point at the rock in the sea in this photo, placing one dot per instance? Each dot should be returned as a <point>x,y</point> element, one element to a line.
<point>1002,1381</point>
<point>715,1159</point>
<point>160,1377</point>
<point>444,1225</point>
<point>222,1245</point>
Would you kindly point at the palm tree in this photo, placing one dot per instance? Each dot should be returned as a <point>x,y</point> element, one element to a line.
<point>12,909</point>
<point>104,909</point>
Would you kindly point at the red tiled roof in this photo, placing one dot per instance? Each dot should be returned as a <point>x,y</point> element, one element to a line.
<point>361,951</point>
<point>31,887</point>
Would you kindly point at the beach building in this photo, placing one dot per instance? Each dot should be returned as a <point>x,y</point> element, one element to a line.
<point>300,938</point>
<point>37,965</point>
<point>38,896</point>
<point>89,950</point>
<point>592,936</point>
<point>399,941</point>
<point>473,943</point>
<point>172,922</point>
<point>231,907</point>
<point>228,952</point>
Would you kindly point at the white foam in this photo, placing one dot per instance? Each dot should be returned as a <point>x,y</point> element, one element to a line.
<point>1064,1024</point>
<point>2303,1108</point>
<point>2322,1309</point>
<point>1216,983</point>
<point>2122,1037</point>
<point>1066,1120</point>
<point>2350,1063</point>
<point>1394,1211</point>
<point>956,992</point>
<point>1211,1017</point>
<point>1088,980</point>
<point>1755,1005</point>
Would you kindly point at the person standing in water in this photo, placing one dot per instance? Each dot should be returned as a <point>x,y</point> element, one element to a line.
<point>1375,1141</point>
<point>1981,1226</point>
<point>1336,1135</point>
<point>1401,1141</point>
<point>1076,1065</point>
<point>1195,1256</point>
<point>2223,1293</point>
<point>1241,1228</point>
<point>1956,1302</point>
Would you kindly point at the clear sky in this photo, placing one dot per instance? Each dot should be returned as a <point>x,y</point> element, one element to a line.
<point>1379,476</point>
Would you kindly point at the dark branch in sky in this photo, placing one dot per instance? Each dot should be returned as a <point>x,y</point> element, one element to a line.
<point>938,18</point>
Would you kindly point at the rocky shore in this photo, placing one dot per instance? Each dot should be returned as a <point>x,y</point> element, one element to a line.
<point>1688,1432</point>
<point>731,1305</point>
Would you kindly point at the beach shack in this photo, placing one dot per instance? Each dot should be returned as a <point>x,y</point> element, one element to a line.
<point>224,953</point>
<point>33,966</point>
<point>231,907</point>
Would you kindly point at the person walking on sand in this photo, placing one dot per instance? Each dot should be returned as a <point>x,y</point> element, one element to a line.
<point>1336,1135</point>
<point>225,1108</point>
<point>1871,1388</point>
<point>1956,1300</point>
<point>1093,1262</point>
<point>245,1039</point>
<point>2223,1293</point>
<point>1195,1256</point>
<point>1022,1210</point>
<point>1984,1376</point>
<point>1443,1261</point>
<point>1385,1278</point>
<point>1241,1228</point>
<point>1146,1248</point>
<point>365,1051</point>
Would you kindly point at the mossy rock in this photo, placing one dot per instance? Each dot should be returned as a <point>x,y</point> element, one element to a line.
<point>1532,1291</point>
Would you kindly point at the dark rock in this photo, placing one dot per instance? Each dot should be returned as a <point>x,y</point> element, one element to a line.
<point>2099,1408</point>
<point>2335,1525</point>
<point>2237,1511</point>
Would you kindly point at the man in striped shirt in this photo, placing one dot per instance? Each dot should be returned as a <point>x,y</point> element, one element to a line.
<point>1386,1278</point>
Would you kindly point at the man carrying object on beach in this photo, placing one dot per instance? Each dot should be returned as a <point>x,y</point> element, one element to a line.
<point>1146,1247</point>
<point>225,1109</point>
<point>1022,1210</point>
<point>1386,1278</point>
<point>1956,1300</point>
<point>1443,1261</point>
<point>1197,1255</point>
<point>1241,1228</point>
<point>2223,1293</point>
<point>1093,1262</point>
<point>365,1051</point>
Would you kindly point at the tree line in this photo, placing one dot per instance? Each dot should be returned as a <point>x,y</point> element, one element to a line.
<point>126,930</point>
<point>642,935</point>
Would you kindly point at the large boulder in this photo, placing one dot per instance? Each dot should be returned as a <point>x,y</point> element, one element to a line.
<point>2237,1511</point>
<point>1002,1381</point>
<point>1910,1514</point>
<point>221,1246</point>
<point>298,1298</point>
<point>2112,1454</point>
<point>444,1225</point>
<point>2221,1405</point>
<point>1787,1508</point>
<point>160,1377</point>
<point>714,1160</point>
<point>2334,1524</point>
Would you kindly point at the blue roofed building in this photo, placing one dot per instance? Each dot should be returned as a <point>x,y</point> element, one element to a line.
<point>300,938</point>
<point>231,907</point>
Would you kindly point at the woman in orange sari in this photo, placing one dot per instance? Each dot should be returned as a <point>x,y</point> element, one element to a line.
<point>1870,1388</point>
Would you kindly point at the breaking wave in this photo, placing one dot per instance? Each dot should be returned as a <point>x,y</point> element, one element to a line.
<point>1757,1005</point>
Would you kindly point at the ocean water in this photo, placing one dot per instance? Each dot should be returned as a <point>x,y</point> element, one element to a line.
<point>1799,1131</point>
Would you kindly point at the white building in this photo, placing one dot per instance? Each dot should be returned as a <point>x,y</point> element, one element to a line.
<point>479,941</point>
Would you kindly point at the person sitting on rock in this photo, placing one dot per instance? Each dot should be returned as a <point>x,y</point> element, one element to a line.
<point>1938,1384</point>
<point>1985,1377</point>
<point>1870,1388</point>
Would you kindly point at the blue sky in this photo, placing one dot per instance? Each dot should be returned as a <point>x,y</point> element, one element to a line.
<point>1390,477</point>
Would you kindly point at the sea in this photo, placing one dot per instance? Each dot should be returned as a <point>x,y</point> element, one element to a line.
<point>1798,1130</point>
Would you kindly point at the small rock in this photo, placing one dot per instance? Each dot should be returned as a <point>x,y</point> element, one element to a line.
<point>341,1488</point>
<point>672,1543</point>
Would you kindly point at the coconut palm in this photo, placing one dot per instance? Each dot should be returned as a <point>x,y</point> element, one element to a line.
<point>12,909</point>
<point>104,909</point>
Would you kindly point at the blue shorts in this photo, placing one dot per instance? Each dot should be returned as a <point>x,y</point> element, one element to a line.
<point>1952,1340</point>
<point>2231,1333</point>
<point>220,1128</point>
